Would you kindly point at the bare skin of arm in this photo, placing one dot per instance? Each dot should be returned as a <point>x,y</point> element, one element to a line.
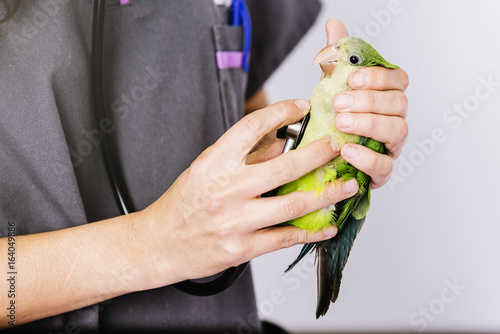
<point>256,101</point>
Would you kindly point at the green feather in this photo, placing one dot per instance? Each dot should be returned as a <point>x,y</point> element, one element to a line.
<point>362,208</point>
<point>369,56</point>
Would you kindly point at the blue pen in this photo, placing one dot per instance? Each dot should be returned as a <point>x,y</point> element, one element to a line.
<point>235,11</point>
<point>240,16</point>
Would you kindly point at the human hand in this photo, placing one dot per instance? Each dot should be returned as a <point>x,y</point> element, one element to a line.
<point>213,216</point>
<point>375,108</point>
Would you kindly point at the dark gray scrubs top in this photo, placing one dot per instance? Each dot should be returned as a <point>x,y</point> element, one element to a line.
<point>166,106</point>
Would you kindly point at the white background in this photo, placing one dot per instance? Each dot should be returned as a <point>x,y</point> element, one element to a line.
<point>437,220</point>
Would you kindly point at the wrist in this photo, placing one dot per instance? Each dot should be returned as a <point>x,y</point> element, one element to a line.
<point>147,257</point>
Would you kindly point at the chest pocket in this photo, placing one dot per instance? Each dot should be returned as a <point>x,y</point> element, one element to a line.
<point>232,78</point>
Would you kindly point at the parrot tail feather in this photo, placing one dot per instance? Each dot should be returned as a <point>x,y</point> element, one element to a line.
<point>329,277</point>
<point>306,249</point>
<point>332,257</point>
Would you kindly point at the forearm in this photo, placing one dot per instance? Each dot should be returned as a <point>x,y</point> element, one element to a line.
<point>72,268</point>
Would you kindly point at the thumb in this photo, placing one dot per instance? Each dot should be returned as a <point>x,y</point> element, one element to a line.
<point>335,30</point>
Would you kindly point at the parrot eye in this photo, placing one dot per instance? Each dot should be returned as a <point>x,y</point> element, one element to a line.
<point>354,59</point>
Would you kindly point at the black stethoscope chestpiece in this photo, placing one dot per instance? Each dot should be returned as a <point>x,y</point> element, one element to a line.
<point>293,133</point>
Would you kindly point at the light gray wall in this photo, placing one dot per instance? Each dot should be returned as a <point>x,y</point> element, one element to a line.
<point>436,223</point>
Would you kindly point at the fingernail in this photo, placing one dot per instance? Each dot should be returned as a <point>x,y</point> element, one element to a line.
<point>334,146</point>
<point>359,79</point>
<point>351,152</point>
<point>303,105</point>
<point>345,120</point>
<point>330,232</point>
<point>343,101</point>
<point>350,186</point>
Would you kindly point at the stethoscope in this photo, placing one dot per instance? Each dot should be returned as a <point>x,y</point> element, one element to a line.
<point>292,133</point>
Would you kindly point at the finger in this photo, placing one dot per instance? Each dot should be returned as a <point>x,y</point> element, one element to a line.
<point>266,153</point>
<point>335,30</point>
<point>391,102</point>
<point>377,166</point>
<point>268,211</point>
<point>285,168</point>
<point>390,130</point>
<point>379,78</point>
<point>275,238</point>
<point>244,135</point>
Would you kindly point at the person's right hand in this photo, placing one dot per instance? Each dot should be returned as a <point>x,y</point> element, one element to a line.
<point>213,217</point>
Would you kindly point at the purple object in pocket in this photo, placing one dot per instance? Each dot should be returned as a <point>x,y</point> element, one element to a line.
<point>229,59</point>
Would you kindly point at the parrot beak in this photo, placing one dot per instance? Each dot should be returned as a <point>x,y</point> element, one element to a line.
<point>327,58</point>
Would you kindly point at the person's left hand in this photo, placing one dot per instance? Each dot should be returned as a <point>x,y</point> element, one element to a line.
<point>375,108</point>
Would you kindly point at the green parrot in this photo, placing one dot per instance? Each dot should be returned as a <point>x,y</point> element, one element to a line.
<point>337,61</point>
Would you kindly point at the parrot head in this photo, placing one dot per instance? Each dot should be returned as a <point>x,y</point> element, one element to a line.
<point>349,51</point>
